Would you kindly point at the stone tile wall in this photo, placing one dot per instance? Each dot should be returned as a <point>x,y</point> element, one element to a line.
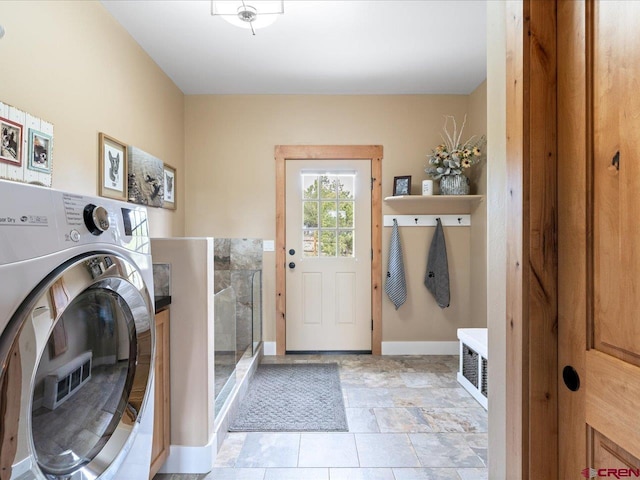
<point>161,279</point>
<point>235,262</point>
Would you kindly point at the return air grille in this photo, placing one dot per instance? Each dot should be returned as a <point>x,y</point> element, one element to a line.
<point>66,380</point>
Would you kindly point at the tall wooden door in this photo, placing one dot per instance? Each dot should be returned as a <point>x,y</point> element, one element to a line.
<point>599,238</point>
<point>328,255</point>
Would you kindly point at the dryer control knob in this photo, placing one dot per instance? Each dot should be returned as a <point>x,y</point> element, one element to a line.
<point>96,219</point>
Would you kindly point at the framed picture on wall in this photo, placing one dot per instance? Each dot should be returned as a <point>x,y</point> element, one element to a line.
<point>11,146</point>
<point>169,200</point>
<point>112,168</point>
<point>39,151</point>
<point>146,178</point>
<point>402,185</point>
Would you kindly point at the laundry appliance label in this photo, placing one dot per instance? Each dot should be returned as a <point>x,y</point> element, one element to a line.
<point>73,208</point>
<point>25,220</point>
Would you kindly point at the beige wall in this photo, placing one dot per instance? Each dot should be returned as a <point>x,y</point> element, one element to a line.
<point>477,122</point>
<point>192,337</point>
<point>72,64</point>
<point>231,181</point>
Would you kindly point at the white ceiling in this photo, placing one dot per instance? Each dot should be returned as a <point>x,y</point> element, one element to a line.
<point>316,47</point>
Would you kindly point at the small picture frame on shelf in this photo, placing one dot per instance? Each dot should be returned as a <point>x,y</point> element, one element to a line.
<point>112,168</point>
<point>402,185</point>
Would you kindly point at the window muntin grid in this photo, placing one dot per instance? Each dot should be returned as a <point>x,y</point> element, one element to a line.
<point>328,211</point>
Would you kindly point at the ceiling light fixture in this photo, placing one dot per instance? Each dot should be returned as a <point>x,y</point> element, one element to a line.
<point>254,15</point>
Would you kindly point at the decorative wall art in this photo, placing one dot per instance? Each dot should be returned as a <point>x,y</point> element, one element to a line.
<point>39,151</point>
<point>26,147</point>
<point>11,146</point>
<point>146,178</point>
<point>169,200</point>
<point>112,168</point>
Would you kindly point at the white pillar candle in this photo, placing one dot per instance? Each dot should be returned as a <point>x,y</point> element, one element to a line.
<point>427,187</point>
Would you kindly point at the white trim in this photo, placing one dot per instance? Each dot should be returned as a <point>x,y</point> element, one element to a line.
<point>189,459</point>
<point>470,387</point>
<point>420,348</point>
<point>269,348</point>
<point>201,459</point>
<point>106,360</point>
<point>474,338</point>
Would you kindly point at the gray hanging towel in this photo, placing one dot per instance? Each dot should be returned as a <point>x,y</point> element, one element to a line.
<point>395,286</point>
<point>437,277</point>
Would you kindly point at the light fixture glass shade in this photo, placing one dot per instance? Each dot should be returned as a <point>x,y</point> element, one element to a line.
<point>266,11</point>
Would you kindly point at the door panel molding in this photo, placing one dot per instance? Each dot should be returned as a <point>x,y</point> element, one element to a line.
<point>611,413</point>
<point>373,153</point>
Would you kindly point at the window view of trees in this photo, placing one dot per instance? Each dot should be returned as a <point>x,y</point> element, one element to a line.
<point>328,224</point>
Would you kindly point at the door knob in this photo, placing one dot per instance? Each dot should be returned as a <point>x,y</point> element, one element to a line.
<point>292,265</point>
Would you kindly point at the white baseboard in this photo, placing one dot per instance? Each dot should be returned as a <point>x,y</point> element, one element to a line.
<point>187,459</point>
<point>106,360</point>
<point>399,348</point>
<point>269,348</point>
<point>420,348</point>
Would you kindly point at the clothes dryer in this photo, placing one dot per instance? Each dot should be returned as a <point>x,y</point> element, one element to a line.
<point>77,336</point>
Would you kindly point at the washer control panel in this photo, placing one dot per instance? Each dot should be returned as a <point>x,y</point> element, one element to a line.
<point>36,221</point>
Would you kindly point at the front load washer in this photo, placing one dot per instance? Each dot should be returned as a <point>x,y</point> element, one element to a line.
<point>77,337</point>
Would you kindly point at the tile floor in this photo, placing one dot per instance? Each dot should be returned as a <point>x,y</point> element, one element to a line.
<point>408,420</point>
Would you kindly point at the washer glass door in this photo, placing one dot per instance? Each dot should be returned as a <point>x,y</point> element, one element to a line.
<point>91,325</point>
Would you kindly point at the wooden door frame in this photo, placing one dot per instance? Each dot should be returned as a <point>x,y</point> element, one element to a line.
<point>532,250</point>
<point>373,153</point>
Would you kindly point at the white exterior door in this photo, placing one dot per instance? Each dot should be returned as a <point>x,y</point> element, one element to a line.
<point>328,255</point>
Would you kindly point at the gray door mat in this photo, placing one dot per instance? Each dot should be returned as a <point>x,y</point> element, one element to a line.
<point>293,398</point>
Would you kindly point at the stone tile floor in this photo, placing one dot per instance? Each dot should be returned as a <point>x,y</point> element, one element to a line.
<point>408,420</point>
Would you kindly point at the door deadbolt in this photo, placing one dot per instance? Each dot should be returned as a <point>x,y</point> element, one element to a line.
<point>292,252</point>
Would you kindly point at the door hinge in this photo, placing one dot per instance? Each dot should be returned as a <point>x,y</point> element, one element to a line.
<point>372,324</point>
<point>372,254</point>
<point>372,180</point>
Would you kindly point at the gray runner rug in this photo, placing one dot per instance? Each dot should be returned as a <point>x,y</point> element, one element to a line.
<point>293,398</point>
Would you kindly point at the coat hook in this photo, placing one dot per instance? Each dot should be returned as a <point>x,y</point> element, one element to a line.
<point>416,220</point>
<point>459,220</point>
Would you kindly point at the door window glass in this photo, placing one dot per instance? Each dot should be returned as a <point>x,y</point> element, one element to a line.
<point>328,215</point>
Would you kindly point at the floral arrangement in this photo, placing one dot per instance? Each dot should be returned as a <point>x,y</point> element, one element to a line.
<point>452,157</point>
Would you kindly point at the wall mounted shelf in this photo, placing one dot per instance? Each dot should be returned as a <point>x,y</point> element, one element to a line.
<point>435,204</point>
